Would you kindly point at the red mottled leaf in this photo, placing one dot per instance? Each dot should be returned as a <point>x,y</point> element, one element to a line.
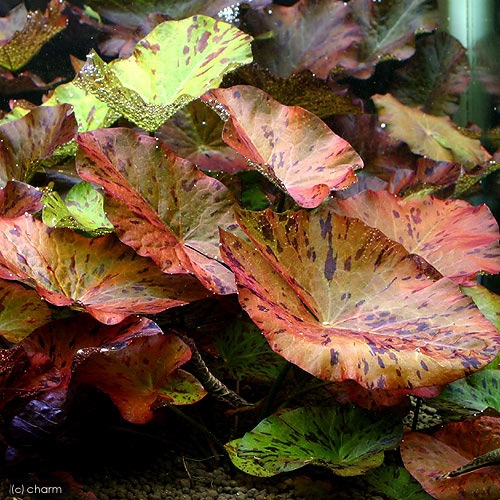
<point>17,198</point>
<point>312,34</point>
<point>161,205</point>
<point>262,130</point>
<point>21,311</point>
<point>428,457</point>
<point>99,274</point>
<point>458,239</point>
<point>23,82</point>
<point>194,133</point>
<point>343,302</point>
<point>143,376</point>
<point>31,138</point>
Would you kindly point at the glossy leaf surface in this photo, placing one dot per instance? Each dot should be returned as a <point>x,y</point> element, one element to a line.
<point>161,205</point>
<point>148,87</point>
<point>458,239</point>
<point>105,277</point>
<point>342,301</point>
<point>262,130</point>
<point>428,457</point>
<point>17,198</point>
<point>347,440</point>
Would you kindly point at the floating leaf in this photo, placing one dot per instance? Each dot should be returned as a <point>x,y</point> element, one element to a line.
<point>312,34</point>
<point>347,440</point>
<point>396,482</point>
<point>435,77</point>
<point>435,137</point>
<point>342,301</point>
<point>21,311</point>
<point>262,130</point>
<point>23,33</point>
<point>82,210</point>
<point>429,457</point>
<point>17,198</point>
<point>458,239</point>
<point>148,87</point>
<point>101,275</point>
<point>194,133</point>
<point>161,205</point>
<point>388,29</point>
<point>143,376</point>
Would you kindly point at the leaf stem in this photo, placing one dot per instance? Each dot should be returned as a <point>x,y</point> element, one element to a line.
<point>416,411</point>
<point>278,381</point>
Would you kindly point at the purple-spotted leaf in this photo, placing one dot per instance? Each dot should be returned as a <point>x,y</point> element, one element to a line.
<point>344,302</point>
<point>435,137</point>
<point>17,198</point>
<point>388,29</point>
<point>262,130</point>
<point>101,275</point>
<point>174,64</point>
<point>21,311</point>
<point>23,33</point>
<point>143,376</point>
<point>458,239</point>
<point>161,205</point>
<point>435,77</point>
<point>33,137</point>
<point>194,133</point>
<point>312,34</point>
<point>347,440</point>
<point>429,457</point>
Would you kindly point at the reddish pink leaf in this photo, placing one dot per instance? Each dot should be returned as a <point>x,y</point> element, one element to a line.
<point>264,131</point>
<point>143,375</point>
<point>161,205</point>
<point>99,274</point>
<point>458,239</point>
<point>344,302</point>
<point>17,198</point>
<point>428,457</point>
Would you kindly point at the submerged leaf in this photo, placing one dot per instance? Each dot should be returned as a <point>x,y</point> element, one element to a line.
<point>347,440</point>
<point>263,130</point>
<point>343,302</point>
<point>23,82</point>
<point>17,198</point>
<point>148,87</point>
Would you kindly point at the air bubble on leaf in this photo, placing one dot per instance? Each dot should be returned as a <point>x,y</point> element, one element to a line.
<point>383,125</point>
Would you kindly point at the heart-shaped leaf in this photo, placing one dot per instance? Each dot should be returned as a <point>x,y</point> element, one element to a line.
<point>312,34</point>
<point>82,210</point>
<point>347,440</point>
<point>161,205</point>
<point>262,130</point>
<point>21,311</point>
<point>343,302</point>
<point>435,137</point>
<point>458,239</point>
<point>143,376</point>
<point>101,275</point>
<point>17,198</point>
<point>429,457</point>
<point>148,87</point>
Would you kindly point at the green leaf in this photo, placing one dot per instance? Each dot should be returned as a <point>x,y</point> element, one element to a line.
<point>83,210</point>
<point>149,87</point>
<point>347,440</point>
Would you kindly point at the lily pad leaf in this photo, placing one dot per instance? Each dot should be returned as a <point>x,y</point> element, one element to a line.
<point>312,34</point>
<point>31,138</point>
<point>428,458</point>
<point>148,87</point>
<point>17,198</point>
<point>23,33</point>
<point>435,137</point>
<point>21,311</point>
<point>435,77</point>
<point>344,302</point>
<point>161,205</point>
<point>82,210</point>
<point>143,376</point>
<point>458,239</point>
<point>347,440</point>
<point>100,275</point>
<point>388,29</point>
<point>262,130</point>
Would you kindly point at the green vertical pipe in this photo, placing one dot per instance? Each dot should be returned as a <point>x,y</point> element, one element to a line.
<point>470,21</point>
